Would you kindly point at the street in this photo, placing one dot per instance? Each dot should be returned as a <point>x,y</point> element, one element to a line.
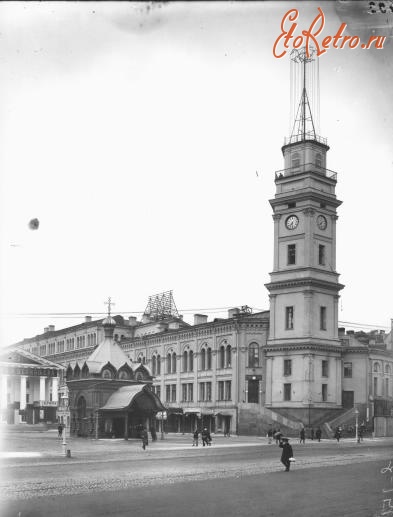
<point>234,477</point>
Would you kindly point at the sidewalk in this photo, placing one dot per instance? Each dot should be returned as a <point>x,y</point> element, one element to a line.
<point>48,445</point>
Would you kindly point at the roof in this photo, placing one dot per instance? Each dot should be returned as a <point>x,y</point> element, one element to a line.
<point>20,356</point>
<point>107,352</point>
<point>126,395</point>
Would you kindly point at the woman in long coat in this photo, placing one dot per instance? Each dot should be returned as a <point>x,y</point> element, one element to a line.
<point>287,453</point>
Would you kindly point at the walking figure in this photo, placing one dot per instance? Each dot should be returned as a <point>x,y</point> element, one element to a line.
<point>337,434</point>
<point>145,438</point>
<point>287,453</point>
<point>312,433</point>
<point>302,435</point>
<point>206,438</point>
<point>318,434</point>
<point>60,430</point>
<point>270,435</point>
<point>277,436</point>
<point>195,438</point>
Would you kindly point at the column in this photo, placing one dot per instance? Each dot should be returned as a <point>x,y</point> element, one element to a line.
<point>333,257</point>
<point>308,241</point>
<point>272,326</point>
<point>55,389</point>
<point>308,317</point>
<point>42,388</point>
<point>276,219</point>
<point>4,387</point>
<point>23,392</point>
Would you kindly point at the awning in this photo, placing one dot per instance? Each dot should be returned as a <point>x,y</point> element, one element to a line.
<point>174,410</point>
<point>207,411</point>
<point>225,412</point>
<point>138,396</point>
<point>189,410</point>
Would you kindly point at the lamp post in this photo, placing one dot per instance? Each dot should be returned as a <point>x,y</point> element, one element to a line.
<point>356,425</point>
<point>65,404</point>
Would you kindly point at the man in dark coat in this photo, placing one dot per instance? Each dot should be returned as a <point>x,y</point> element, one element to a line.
<point>287,453</point>
<point>302,435</point>
<point>145,438</point>
<point>318,434</point>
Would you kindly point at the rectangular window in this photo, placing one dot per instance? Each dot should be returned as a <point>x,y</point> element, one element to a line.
<point>324,392</point>
<point>208,391</point>
<point>184,392</point>
<point>347,369</point>
<point>168,393</point>
<point>321,255</point>
<point>202,391</point>
<point>287,367</point>
<point>325,368</point>
<point>27,398</point>
<point>289,318</point>
<point>228,390</point>
<point>220,390</point>
<point>375,387</point>
<point>322,315</point>
<point>287,391</point>
<point>190,392</point>
<point>292,205</point>
<point>173,391</point>
<point>291,254</point>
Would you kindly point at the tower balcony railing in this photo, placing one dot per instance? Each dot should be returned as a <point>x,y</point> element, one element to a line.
<point>307,167</point>
<point>300,137</point>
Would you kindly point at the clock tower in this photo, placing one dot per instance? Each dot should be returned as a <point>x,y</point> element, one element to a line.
<point>303,353</point>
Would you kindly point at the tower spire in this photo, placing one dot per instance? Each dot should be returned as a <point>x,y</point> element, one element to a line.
<point>304,83</point>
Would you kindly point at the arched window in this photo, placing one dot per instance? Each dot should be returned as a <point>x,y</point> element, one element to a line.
<point>253,355</point>
<point>222,357</point>
<point>174,362</point>
<point>387,369</point>
<point>318,160</point>
<point>191,361</point>
<point>203,359</point>
<point>169,363</point>
<point>376,367</point>
<point>228,357</point>
<point>295,160</point>
<point>185,361</point>
<point>106,374</point>
<point>153,364</point>
<point>158,365</point>
<point>209,359</point>
<point>123,375</point>
<point>139,376</point>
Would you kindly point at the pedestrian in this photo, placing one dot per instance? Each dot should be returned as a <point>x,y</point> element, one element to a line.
<point>195,438</point>
<point>60,430</point>
<point>312,433</point>
<point>153,433</point>
<point>205,436</point>
<point>360,433</point>
<point>277,436</point>
<point>337,434</point>
<point>145,438</point>
<point>318,434</point>
<point>270,435</point>
<point>287,453</point>
<point>302,435</point>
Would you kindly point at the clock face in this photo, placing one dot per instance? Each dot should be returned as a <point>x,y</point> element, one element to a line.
<point>291,222</point>
<point>321,222</point>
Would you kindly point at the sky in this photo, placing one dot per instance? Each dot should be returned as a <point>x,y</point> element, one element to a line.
<point>145,137</point>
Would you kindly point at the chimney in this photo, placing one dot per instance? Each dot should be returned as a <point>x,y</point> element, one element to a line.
<point>46,329</point>
<point>51,328</point>
<point>341,331</point>
<point>87,319</point>
<point>132,321</point>
<point>199,319</point>
<point>233,312</point>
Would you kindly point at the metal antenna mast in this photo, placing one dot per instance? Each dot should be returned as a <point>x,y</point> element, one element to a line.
<point>304,82</point>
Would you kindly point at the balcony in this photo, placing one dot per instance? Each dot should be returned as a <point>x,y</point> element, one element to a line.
<point>309,136</point>
<point>306,168</point>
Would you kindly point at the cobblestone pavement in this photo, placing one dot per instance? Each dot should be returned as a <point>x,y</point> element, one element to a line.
<point>97,466</point>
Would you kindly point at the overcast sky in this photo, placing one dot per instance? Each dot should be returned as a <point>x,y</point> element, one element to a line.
<point>133,132</point>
